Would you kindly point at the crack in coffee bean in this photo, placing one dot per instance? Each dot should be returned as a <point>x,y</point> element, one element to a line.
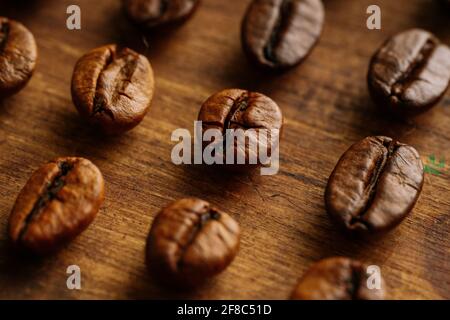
<point>120,82</point>
<point>354,283</point>
<point>241,115</point>
<point>205,218</point>
<point>413,71</point>
<point>391,147</point>
<point>4,34</point>
<point>99,101</point>
<point>239,106</point>
<point>280,25</point>
<point>49,194</point>
<point>374,186</point>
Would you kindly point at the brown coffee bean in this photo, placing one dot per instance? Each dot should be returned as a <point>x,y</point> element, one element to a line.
<point>374,186</point>
<point>252,112</point>
<point>337,278</point>
<point>279,34</point>
<point>57,203</point>
<point>151,14</point>
<point>410,72</point>
<point>191,241</point>
<point>18,55</point>
<point>112,88</point>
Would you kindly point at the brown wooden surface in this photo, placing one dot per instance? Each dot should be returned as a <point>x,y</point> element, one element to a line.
<point>284,225</point>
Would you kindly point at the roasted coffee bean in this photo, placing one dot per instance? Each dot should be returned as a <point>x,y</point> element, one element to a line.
<point>374,186</point>
<point>338,278</point>
<point>279,34</point>
<point>151,14</point>
<point>254,113</point>
<point>57,203</point>
<point>18,55</point>
<point>112,88</point>
<point>410,72</point>
<point>191,241</point>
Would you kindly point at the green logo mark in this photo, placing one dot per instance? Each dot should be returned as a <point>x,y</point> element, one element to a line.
<point>434,167</point>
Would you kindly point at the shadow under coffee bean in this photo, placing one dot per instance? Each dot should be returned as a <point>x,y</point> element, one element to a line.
<point>279,34</point>
<point>18,55</point>
<point>374,186</point>
<point>56,204</point>
<point>112,88</point>
<point>410,73</point>
<point>337,278</point>
<point>190,241</point>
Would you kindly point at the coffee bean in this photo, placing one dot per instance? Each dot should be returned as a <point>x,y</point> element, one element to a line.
<point>338,278</point>
<point>151,14</point>
<point>254,113</point>
<point>410,72</point>
<point>18,55</point>
<point>374,186</point>
<point>191,241</point>
<point>112,88</point>
<point>57,203</point>
<point>279,34</point>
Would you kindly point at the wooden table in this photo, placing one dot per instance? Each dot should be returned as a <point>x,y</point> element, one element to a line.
<point>284,224</point>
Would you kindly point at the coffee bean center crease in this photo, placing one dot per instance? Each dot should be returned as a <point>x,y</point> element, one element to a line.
<point>413,71</point>
<point>239,106</point>
<point>49,194</point>
<point>284,13</point>
<point>119,83</point>
<point>4,33</point>
<point>353,284</point>
<point>205,218</point>
<point>371,188</point>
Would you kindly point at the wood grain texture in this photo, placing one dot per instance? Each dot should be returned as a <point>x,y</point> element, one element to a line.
<point>284,224</point>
